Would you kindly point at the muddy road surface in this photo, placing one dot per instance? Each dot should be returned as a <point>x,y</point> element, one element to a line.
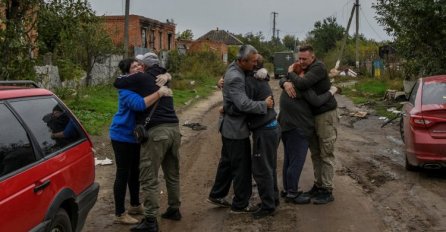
<point>373,191</point>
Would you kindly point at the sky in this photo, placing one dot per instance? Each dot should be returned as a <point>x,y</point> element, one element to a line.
<point>294,17</point>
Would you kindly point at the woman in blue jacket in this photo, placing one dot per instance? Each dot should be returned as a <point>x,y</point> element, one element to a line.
<point>125,146</point>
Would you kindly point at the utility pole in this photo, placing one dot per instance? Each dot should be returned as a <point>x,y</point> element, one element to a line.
<point>126,29</point>
<point>274,24</point>
<point>278,34</point>
<point>357,34</point>
<point>344,41</point>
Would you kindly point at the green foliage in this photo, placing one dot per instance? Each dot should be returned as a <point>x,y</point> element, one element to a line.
<point>186,35</point>
<point>290,42</point>
<point>370,90</point>
<point>68,70</point>
<point>70,30</point>
<point>419,29</point>
<point>195,66</point>
<point>265,48</point>
<point>16,31</point>
<point>324,36</point>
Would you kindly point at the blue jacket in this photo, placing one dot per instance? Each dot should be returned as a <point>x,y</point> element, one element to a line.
<point>124,120</point>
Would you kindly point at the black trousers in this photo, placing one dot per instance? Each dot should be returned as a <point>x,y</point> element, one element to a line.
<point>264,164</point>
<point>234,167</point>
<point>127,173</point>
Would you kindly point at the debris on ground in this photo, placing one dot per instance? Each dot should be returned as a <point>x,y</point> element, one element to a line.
<point>195,126</point>
<point>103,162</point>
<point>359,114</point>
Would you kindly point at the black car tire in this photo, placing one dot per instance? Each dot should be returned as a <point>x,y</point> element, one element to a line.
<point>61,222</point>
<point>402,129</point>
<point>410,167</point>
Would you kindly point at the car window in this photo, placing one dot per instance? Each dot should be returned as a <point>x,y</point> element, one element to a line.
<point>434,93</point>
<point>51,124</point>
<point>15,149</point>
<point>413,94</point>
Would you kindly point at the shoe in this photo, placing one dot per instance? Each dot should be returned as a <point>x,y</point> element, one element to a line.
<point>247,209</point>
<point>222,202</point>
<point>283,193</point>
<point>172,214</point>
<point>261,213</point>
<point>323,197</point>
<point>125,219</point>
<point>289,198</point>
<point>277,202</point>
<point>146,225</point>
<point>312,192</point>
<point>302,199</point>
<point>136,210</point>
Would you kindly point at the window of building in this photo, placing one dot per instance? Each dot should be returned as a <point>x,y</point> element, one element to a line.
<point>160,35</point>
<point>169,41</point>
<point>16,150</point>
<point>152,39</point>
<point>143,38</point>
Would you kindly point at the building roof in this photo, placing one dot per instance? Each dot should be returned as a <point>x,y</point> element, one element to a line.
<point>221,36</point>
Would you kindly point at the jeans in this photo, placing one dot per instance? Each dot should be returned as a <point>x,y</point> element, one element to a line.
<point>295,151</point>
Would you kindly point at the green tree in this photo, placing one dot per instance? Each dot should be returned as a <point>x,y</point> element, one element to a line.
<point>186,35</point>
<point>290,42</point>
<point>76,37</point>
<point>419,29</point>
<point>17,27</point>
<point>324,36</point>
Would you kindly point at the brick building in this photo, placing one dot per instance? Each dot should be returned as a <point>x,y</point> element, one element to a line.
<point>144,34</point>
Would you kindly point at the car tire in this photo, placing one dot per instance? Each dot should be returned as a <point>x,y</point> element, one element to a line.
<point>61,222</point>
<point>402,129</point>
<point>410,167</point>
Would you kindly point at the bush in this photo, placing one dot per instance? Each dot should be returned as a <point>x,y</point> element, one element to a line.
<point>68,70</point>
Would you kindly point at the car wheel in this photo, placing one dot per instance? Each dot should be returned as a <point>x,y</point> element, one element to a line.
<point>61,222</point>
<point>402,129</point>
<point>410,167</point>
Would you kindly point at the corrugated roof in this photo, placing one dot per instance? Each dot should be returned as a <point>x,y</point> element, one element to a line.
<point>221,36</point>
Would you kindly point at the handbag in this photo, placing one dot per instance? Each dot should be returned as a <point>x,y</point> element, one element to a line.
<point>140,132</point>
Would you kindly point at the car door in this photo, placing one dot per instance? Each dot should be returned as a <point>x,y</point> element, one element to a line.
<point>22,191</point>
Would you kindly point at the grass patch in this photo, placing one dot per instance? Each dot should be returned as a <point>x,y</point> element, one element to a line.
<point>370,92</point>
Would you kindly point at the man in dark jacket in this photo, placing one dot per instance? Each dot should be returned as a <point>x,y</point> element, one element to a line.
<point>326,121</point>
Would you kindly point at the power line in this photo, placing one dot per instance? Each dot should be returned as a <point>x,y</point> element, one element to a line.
<point>360,8</point>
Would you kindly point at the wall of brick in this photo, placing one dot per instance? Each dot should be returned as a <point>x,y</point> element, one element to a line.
<point>155,32</point>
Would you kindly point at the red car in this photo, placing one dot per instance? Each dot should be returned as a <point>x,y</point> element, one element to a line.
<point>46,162</point>
<point>423,125</point>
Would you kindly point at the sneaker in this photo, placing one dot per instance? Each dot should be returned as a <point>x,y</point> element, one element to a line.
<point>136,210</point>
<point>146,225</point>
<point>283,193</point>
<point>323,197</point>
<point>289,198</point>
<point>302,199</point>
<point>125,219</point>
<point>312,192</point>
<point>261,213</point>
<point>247,209</point>
<point>172,214</point>
<point>222,202</point>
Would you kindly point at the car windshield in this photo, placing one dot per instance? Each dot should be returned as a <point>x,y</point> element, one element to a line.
<point>434,93</point>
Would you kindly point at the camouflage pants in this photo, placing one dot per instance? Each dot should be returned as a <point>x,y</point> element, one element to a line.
<point>322,148</point>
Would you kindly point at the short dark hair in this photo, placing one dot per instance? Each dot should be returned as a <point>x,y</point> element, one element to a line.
<point>124,65</point>
<point>306,48</point>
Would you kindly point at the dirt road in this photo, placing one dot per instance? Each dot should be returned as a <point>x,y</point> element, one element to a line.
<point>373,191</point>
